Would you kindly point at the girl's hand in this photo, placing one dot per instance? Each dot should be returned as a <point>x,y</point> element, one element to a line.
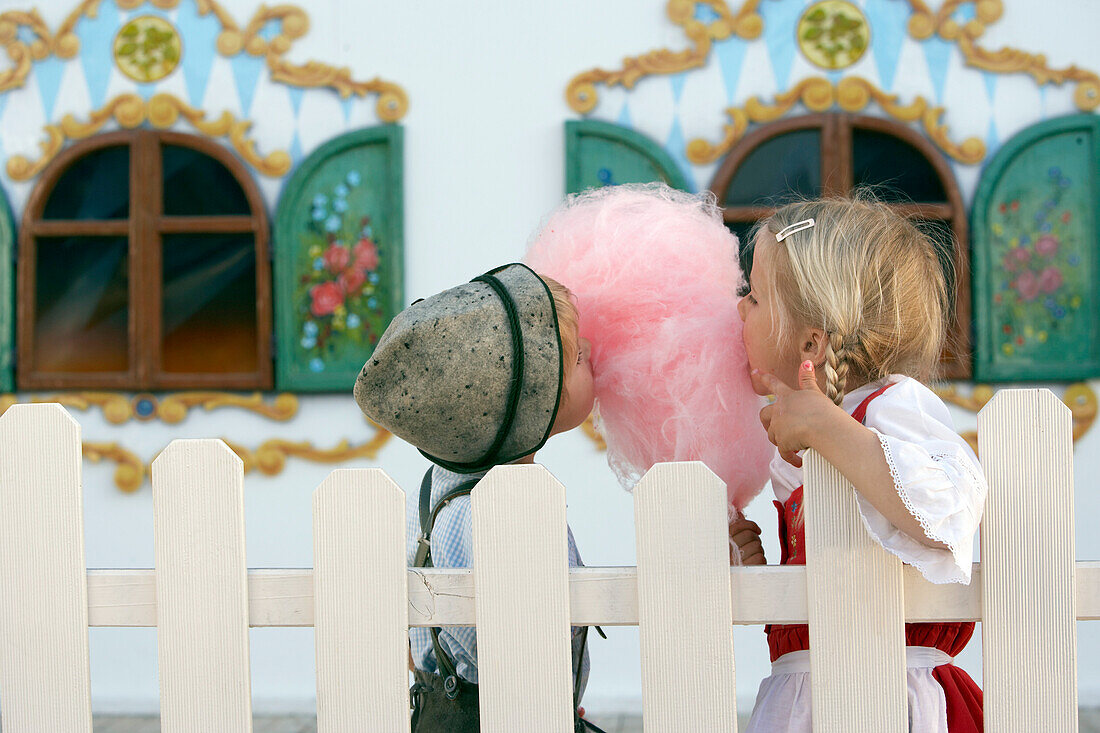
<point>798,415</point>
<point>745,540</point>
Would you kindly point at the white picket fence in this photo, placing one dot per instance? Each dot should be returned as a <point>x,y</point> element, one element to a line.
<point>683,596</point>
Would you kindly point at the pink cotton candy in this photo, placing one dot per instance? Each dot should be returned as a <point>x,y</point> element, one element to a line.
<point>655,273</point>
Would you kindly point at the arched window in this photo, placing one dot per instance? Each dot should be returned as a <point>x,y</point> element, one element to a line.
<point>143,264</point>
<point>823,154</point>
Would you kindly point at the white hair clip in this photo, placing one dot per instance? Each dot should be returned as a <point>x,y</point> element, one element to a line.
<point>798,226</point>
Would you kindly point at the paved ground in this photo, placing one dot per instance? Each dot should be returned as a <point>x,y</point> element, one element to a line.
<point>1089,719</point>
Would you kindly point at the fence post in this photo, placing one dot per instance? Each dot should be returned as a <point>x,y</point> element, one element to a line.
<point>44,675</point>
<point>685,612</point>
<point>522,601</point>
<point>1029,597</point>
<point>361,603</point>
<point>856,611</point>
<point>202,591</point>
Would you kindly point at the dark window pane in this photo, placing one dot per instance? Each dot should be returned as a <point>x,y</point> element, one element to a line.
<point>95,186</point>
<point>777,170</point>
<point>743,230</point>
<point>943,236</point>
<point>209,313</point>
<point>897,170</point>
<point>81,296</point>
<point>197,185</point>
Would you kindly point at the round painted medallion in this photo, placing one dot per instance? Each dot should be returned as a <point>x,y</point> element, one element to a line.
<point>833,34</point>
<point>148,48</point>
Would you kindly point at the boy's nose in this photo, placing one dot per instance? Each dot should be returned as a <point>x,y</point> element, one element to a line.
<point>741,308</point>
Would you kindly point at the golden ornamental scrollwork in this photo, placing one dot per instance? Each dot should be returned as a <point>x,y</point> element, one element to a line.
<point>271,455</point>
<point>161,111</point>
<point>269,458</point>
<point>851,94</point>
<point>924,23</point>
<point>130,472</point>
<point>746,23</point>
<point>171,408</point>
<point>1079,398</point>
<point>293,23</point>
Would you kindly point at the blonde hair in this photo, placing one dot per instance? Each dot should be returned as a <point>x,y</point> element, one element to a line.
<point>867,277</point>
<point>568,324</point>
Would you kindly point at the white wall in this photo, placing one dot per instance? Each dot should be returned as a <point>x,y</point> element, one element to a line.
<point>484,158</point>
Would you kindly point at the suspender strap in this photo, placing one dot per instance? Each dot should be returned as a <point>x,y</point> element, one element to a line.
<point>424,560</point>
<point>423,557</point>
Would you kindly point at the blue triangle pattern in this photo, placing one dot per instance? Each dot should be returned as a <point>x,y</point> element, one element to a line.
<point>246,72</point>
<point>346,103</point>
<point>145,91</point>
<point>992,142</point>
<point>47,73</point>
<point>199,35</point>
<point>676,147</point>
<point>97,37</point>
<point>937,52</point>
<point>295,149</point>
<point>990,84</point>
<point>705,13</point>
<point>296,98</point>
<point>731,54</point>
<point>677,82</point>
<point>624,116</point>
<point>780,20</point>
<point>887,34</point>
<point>965,13</point>
<point>269,30</point>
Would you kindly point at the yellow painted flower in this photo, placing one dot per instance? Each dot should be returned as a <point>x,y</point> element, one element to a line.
<point>1075,301</point>
<point>315,251</point>
<point>340,312</point>
<point>1042,337</point>
<point>1029,331</point>
<point>1007,348</point>
<point>998,229</point>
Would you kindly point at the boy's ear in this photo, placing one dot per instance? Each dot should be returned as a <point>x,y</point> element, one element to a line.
<point>812,345</point>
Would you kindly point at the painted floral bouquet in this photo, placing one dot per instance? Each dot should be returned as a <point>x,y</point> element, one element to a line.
<point>1036,243</point>
<point>337,293</point>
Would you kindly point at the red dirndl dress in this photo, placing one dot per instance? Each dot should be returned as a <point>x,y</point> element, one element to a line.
<point>964,697</point>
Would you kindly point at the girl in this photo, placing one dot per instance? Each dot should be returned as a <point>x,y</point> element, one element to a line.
<point>846,312</point>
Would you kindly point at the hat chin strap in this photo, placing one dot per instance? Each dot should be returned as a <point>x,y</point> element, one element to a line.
<point>515,384</point>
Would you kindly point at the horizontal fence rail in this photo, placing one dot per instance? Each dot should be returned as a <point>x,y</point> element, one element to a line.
<point>683,595</point>
<point>607,596</point>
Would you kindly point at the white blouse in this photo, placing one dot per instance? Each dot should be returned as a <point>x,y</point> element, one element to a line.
<point>935,472</point>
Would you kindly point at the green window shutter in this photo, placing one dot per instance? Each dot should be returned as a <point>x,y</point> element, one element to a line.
<point>602,154</point>
<point>1036,255</point>
<point>339,259</point>
<point>7,295</point>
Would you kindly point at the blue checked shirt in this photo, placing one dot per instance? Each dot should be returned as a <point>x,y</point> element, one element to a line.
<point>453,547</point>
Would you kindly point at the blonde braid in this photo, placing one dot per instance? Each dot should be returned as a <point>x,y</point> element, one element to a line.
<point>836,368</point>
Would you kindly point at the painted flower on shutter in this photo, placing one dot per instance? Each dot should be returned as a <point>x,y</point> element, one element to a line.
<point>1037,244</point>
<point>337,290</point>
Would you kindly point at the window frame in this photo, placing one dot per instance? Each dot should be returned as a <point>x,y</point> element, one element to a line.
<point>143,228</point>
<point>836,180</point>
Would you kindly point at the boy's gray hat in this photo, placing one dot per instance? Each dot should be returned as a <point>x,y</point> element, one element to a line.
<point>471,376</point>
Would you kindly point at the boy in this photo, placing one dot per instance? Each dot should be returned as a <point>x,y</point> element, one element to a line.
<point>476,376</point>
